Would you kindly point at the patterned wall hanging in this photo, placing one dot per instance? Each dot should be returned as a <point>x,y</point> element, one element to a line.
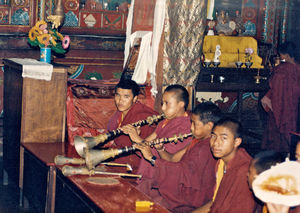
<point>184,32</point>
<point>275,21</point>
<point>249,15</point>
<point>284,21</point>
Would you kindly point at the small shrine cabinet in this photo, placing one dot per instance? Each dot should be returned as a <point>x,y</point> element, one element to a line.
<point>34,111</point>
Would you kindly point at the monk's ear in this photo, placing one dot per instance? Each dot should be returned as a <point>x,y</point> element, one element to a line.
<point>210,124</point>
<point>135,99</point>
<point>181,104</point>
<point>237,142</point>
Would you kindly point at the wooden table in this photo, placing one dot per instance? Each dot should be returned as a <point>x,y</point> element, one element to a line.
<point>235,80</point>
<point>238,88</point>
<point>47,189</point>
<point>38,174</point>
<point>34,110</point>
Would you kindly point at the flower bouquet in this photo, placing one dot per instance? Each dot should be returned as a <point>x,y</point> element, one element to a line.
<point>248,57</point>
<point>46,37</point>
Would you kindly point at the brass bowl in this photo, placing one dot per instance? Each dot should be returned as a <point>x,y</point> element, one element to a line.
<point>206,63</point>
<point>239,64</point>
<point>216,63</point>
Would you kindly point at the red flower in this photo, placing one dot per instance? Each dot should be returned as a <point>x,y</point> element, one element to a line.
<point>66,42</point>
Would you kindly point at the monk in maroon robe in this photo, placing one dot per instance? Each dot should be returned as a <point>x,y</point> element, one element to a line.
<point>129,111</point>
<point>232,193</point>
<point>137,112</point>
<point>175,102</point>
<point>281,102</point>
<point>185,180</point>
<point>165,129</point>
<point>189,183</point>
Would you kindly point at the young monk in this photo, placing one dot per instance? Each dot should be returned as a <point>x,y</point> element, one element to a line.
<point>129,110</point>
<point>262,162</point>
<point>174,105</point>
<point>187,184</point>
<point>231,193</point>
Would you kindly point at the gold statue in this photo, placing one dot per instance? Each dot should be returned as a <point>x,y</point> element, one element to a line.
<point>57,18</point>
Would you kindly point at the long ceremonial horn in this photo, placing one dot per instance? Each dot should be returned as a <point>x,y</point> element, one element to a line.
<point>94,157</point>
<point>89,142</point>
<point>61,160</point>
<point>69,170</point>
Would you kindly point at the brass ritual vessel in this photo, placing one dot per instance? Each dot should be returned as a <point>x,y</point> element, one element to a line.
<point>258,78</point>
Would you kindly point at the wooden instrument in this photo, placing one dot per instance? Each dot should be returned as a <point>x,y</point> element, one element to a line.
<point>173,139</point>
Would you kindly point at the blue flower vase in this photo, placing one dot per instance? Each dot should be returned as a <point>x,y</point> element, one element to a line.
<point>45,55</point>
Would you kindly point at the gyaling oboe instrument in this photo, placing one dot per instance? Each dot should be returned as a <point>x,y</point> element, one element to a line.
<point>173,139</point>
<point>90,142</point>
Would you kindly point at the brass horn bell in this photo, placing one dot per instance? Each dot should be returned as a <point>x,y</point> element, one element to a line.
<point>82,143</point>
<point>94,157</point>
<point>89,142</point>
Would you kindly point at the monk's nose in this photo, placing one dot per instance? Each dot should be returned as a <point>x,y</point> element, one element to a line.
<point>217,142</point>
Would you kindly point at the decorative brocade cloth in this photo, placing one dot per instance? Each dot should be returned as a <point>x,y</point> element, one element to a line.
<point>185,22</point>
<point>34,69</point>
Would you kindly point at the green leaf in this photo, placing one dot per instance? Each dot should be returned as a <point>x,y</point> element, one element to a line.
<point>58,49</point>
<point>33,43</point>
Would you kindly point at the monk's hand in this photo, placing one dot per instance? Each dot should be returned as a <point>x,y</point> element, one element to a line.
<point>266,103</point>
<point>138,130</point>
<point>277,208</point>
<point>132,132</point>
<point>159,147</point>
<point>145,150</point>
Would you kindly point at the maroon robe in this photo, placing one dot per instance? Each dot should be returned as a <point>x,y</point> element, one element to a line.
<point>295,209</point>
<point>185,185</point>
<point>179,125</point>
<point>284,94</point>
<point>234,195</point>
<point>137,112</point>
